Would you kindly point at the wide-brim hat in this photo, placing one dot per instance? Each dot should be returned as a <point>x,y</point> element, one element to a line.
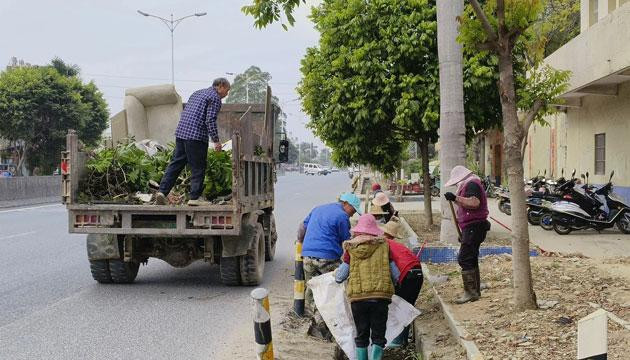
<point>458,173</point>
<point>377,210</point>
<point>380,199</point>
<point>353,200</point>
<point>367,225</point>
<point>393,227</point>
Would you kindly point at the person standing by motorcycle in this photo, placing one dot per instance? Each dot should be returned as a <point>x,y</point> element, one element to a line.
<point>472,214</point>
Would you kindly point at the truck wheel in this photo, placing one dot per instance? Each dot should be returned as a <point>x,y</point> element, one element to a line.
<point>271,238</point>
<point>100,271</point>
<point>230,268</point>
<point>123,272</point>
<point>253,263</point>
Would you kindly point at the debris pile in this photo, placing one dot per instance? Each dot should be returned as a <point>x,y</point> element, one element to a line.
<point>126,172</point>
<point>568,288</point>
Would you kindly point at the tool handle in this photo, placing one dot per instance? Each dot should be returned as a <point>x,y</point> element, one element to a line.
<point>459,231</point>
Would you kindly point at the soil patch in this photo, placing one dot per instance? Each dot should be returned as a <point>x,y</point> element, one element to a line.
<point>571,287</point>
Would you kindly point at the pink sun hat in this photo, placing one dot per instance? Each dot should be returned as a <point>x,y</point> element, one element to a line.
<point>458,173</point>
<point>380,199</point>
<point>367,225</point>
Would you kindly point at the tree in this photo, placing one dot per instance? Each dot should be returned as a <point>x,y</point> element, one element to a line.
<point>452,120</point>
<point>266,12</point>
<point>504,28</point>
<point>371,86</point>
<point>37,107</point>
<point>558,23</point>
<point>250,87</point>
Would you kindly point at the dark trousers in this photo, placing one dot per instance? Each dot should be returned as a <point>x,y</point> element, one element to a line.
<point>409,289</point>
<point>472,237</point>
<point>410,286</point>
<point>195,154</point>
<point>370,315</point>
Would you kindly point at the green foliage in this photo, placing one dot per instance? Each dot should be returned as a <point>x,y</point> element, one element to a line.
<point>257,81</point>
<point>37,107</point>
<point>116,174</point>
<point>559,22</point>
<point>266,12</point>
<point>372,84</point>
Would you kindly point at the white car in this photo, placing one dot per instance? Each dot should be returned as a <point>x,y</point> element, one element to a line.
<point>314,169</point>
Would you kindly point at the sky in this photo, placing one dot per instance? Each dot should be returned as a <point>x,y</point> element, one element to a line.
<point>118,48</point>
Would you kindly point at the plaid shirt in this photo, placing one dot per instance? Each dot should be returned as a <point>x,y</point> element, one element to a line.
<point>199,118</point>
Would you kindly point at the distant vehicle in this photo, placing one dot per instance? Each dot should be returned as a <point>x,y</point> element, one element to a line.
<point>314,169</point>
<point>334,170</point>
<point>7,170</point>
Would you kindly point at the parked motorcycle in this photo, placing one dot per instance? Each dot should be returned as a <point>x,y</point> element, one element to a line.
<point>588,211</point>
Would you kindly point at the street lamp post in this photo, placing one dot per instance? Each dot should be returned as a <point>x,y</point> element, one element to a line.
<point>171,25</point>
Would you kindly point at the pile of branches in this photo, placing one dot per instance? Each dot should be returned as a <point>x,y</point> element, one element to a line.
<point>117,174</point>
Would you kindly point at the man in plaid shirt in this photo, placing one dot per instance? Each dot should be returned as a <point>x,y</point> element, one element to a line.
<point>197,123</point>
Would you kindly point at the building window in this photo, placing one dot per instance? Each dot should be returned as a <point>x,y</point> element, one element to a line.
<point>600,154</point>
<point>592,12</point>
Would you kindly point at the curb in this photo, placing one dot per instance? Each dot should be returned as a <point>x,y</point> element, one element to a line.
<point>457,329</point>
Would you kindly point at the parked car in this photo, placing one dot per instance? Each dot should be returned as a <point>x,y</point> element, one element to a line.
<point>314,169</point>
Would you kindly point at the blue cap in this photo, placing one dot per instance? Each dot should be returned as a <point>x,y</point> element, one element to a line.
<point>352,200</point>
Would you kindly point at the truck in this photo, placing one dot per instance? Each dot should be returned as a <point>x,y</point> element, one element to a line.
<point>238,234</point>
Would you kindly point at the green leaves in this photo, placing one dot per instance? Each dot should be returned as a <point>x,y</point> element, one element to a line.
<point>39,104</point>
<point>116,174</point>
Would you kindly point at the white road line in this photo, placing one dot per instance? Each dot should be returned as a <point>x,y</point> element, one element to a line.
<point>17,235</point>
<point>28,208</point>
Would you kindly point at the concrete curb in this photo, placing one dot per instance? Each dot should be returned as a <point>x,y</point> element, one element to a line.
<point>29,202</point>
<point>457,329</point>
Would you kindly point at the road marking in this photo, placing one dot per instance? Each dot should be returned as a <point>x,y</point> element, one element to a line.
<point>17,235</point>
<point>28,208</point>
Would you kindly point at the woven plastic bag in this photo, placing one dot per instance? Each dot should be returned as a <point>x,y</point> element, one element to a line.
<point>334,307</point>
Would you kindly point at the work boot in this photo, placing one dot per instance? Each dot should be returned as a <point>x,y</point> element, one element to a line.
<point>377,352</point>
<point>198,202</point>
<point>471,287</point>
<point>397,342</point>
<point>361,353</point>
<point>160,199</point>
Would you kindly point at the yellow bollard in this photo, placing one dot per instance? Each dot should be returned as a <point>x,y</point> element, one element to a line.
<point>262,324</point>
<point>298,282</point>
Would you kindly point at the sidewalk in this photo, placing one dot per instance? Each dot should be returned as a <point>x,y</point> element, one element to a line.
<point>607,244</point>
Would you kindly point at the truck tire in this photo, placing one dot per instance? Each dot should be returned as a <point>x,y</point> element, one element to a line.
<point>271,237</point>
<point>253,262</point>
<point>123,272</point>
<point>100,271</point>
<point>230,269</point>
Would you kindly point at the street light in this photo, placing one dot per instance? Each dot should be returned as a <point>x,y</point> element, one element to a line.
<point>246,83</point>
<point>171,25</point>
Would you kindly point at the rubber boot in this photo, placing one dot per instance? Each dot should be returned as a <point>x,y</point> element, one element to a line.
<point>377,352</point>
<point>397,342</point>
<point>482,285</point>
<point>362,353</point>
<point>471,292</point>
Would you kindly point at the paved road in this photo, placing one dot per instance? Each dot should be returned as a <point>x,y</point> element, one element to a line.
<point>50,308</point>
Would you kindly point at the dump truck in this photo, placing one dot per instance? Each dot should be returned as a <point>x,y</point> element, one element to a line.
<point>238,234</point>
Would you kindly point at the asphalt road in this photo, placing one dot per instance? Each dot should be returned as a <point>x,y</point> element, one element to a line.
<point>50,308</point>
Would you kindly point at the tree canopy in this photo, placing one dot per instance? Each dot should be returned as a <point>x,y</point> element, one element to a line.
<point>253,82</point>
<point>372,84</point>
<point>39,104</point>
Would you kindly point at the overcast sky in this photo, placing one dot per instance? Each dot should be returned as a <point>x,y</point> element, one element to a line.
<point>118,48</point>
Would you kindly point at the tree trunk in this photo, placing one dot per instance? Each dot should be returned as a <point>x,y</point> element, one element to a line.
<point>426,180</point>
<point>452,127</point>
<point>524,296</point>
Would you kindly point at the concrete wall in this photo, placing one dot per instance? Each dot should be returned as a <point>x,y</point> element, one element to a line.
<point>602,50</point>
<point>29,187</point>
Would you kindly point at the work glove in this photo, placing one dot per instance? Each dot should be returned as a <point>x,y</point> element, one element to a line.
<point>450,196</point>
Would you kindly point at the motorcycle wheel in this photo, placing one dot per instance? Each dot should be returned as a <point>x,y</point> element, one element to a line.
<point>561,230</point>
<point>623,223</point>
<point>505,208</point>
<point>546,222</point>
<point>435,192</point>
<point>532,219</point>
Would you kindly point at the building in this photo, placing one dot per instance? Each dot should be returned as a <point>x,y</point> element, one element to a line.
<point>591,129</point>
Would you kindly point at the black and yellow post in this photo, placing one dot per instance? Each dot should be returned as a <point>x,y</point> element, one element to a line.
<point>262,324</point>
<point>298,282</point>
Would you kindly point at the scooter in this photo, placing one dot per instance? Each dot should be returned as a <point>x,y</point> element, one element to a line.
<point>569,216</point>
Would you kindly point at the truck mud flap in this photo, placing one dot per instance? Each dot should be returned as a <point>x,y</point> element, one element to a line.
<point>238,245</point>
<point>102,247</point>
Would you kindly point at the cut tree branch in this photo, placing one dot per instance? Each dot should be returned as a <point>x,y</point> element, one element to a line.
<point>528,119</point>
<point>492,35</point>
